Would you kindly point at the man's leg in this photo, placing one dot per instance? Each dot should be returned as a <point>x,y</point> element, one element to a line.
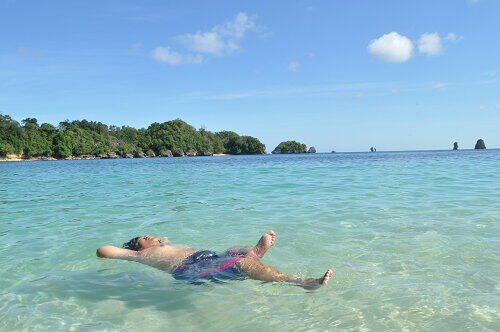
<point>258,271</point>
<point>265,242</point>
<point>239,250</point>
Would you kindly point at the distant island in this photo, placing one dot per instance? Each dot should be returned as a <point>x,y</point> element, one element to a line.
<point>480,145</point>
<point>95,140</point>
<point>292,147</point>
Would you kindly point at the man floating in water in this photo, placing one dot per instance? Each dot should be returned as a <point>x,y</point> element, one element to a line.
<point>186,263</point>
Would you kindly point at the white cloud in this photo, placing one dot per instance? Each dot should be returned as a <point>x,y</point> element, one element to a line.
<point>391,47</point>
<point>437,85</point>
<point>207,42</point>
<point>430,44</point>
<point>395,90</point>
<point>237,27</point>
<point>293,66</point>
<point>164,54</point>
<point>221,39</point>
<point>360,95</point>
<point>452,37</point>
<point>497,106</point>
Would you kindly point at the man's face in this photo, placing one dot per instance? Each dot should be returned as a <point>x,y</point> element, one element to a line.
<point>147,241</point>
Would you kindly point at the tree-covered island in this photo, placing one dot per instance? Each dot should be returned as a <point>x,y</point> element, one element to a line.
<point>292,147</point>
<point>89,139</point>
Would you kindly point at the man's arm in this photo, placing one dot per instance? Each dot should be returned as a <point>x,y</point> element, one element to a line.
<point>117,253</point>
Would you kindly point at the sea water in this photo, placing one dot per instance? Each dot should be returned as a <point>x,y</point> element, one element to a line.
<point>413,239</point>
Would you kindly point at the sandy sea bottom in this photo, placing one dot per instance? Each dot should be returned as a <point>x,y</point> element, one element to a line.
<point>412,237</point>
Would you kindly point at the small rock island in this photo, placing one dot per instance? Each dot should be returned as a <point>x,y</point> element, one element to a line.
<point>455,146</point>
<point>292,147</point>
<point>480,145</point>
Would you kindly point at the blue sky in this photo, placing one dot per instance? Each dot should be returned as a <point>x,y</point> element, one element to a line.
<point>342,75</point>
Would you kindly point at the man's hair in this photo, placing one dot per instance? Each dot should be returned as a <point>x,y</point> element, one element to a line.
<point>132,244</point>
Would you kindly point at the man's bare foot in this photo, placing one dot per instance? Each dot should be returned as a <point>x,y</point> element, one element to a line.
<point>326,278</point>
<point>265,242</point>
<point>317,283</point>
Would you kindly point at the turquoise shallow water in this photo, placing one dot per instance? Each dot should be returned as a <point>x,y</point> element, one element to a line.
<point>413,238</point>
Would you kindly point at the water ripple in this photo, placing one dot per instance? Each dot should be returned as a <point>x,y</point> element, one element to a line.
<point>413,238</point>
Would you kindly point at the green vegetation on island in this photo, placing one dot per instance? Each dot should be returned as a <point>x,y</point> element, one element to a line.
<point>292,147</point>
<point>90,139</point>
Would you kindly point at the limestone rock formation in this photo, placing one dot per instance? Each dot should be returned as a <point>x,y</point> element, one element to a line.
<point>312,149</point>
<point>190,153</point>
<point>166,153</point>
<point>112,155</point>
<point>455,146</point>
<point>139,154</point>
<point>204,153</point>
<point>480,145</point>
<point>85,156</point>
<point>178,153</point>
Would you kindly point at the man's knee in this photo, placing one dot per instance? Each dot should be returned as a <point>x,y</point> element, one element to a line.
<point>249,263</point>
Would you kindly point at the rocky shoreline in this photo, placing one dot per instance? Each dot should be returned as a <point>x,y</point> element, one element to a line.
<point>111,155</point>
